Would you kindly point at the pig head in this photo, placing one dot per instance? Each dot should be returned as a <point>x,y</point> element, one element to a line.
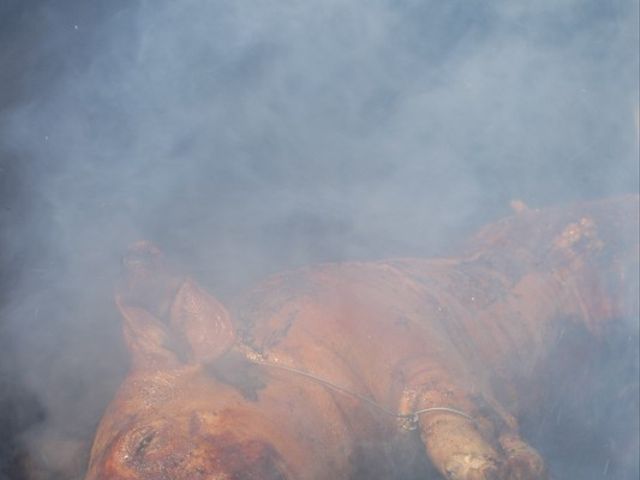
<point>195,405</point>
<point>303,371</point>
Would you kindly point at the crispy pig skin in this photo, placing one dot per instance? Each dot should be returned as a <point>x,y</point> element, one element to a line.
<point>208,397</point>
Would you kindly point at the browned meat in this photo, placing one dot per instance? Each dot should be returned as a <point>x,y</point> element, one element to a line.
<point>312,365</point>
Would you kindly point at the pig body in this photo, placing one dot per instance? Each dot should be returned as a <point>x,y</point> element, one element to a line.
<point>316,371</point>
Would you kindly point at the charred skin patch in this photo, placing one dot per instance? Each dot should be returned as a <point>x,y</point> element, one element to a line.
<point>280,332</point>
<point>235,370</point>
<point>267,301</point>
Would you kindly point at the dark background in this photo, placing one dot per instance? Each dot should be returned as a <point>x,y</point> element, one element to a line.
<point>249,137</point>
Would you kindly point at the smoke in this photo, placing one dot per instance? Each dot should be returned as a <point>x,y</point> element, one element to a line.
<point>248,137</point>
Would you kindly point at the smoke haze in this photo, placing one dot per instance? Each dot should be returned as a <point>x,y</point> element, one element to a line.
<point>249,137</point>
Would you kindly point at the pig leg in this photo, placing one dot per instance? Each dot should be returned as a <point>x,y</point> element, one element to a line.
<point>483,447</point>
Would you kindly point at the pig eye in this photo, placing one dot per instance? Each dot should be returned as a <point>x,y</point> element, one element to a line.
<point>144,443</point>
<point>138,443</point>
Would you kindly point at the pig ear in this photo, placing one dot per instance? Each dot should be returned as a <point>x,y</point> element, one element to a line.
<point>203,322</point>
<point>146,338</point>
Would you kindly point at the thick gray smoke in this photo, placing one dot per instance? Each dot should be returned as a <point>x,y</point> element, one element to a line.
<point>247,137</point>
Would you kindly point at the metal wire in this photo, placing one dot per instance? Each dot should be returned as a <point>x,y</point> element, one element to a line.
<point>411,417</point>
